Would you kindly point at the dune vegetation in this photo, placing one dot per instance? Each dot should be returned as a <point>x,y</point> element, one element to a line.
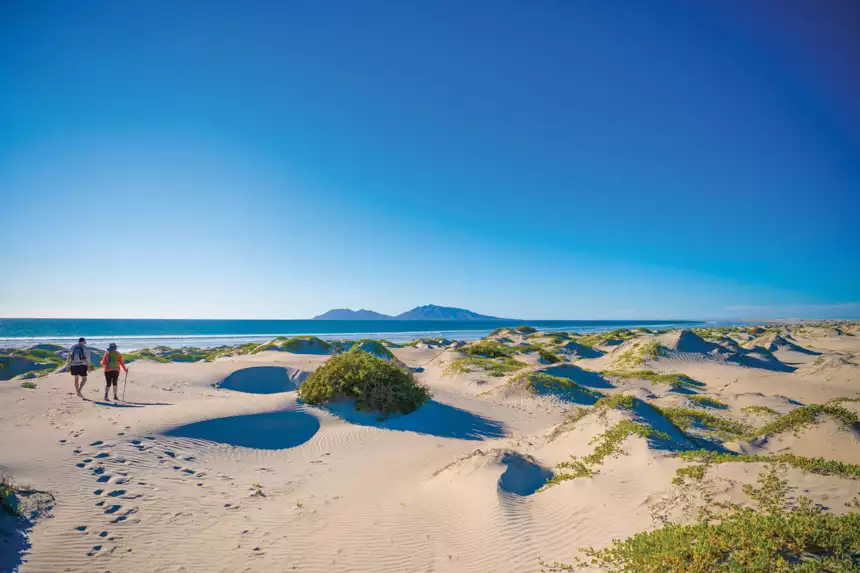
<point>488,349</point>
<point>640,353</point>
<point>818,466</point>
<point>675,380</point>
<point>598,338</point>
<point>608,445</point>
<point>7,496</point>
<point>496,367</point>
<point>754,409</point>
<point>775,534</point>
<point>373,384</point>
<point>547,356</point>
<point>540,383</point>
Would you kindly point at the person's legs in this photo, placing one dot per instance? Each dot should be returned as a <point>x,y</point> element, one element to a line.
<point>77,389</point>
<point>81,389</point>
<point>111,378</point>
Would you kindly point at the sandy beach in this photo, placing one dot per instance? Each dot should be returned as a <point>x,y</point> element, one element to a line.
<point>219,466</point>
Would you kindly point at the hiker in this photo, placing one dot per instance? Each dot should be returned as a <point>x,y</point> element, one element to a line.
<point>112,362</point>
<point>80,364</point>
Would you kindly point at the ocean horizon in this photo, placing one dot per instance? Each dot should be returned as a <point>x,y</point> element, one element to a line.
<point>131,334</point>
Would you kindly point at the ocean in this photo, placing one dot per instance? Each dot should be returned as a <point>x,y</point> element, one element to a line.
<point>131,334</point>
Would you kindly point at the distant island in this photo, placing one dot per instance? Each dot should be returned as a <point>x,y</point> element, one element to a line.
<point>426,312</point>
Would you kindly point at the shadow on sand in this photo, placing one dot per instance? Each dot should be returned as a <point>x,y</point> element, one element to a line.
<point>579,375</point>
<point>433,418</point>
<point>269,431</point>
<point>523,475</point>
<point>14,543</point>
<point>15,529</point>
<point>260,380</point>
<point>763,361</point>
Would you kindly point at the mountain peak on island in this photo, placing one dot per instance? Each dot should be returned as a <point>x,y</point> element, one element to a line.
<point>426,312</point>
<point>435,312</point>
<point>349,314</point>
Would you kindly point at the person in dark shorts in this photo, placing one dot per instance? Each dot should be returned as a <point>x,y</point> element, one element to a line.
<point>112,362</point>
<point>80,364</point>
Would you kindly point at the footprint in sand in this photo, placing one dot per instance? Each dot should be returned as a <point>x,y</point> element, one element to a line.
<point>116,493</point>
<point>103,455</point>
<point>81,528</point>
<point>94,550</point>
<point>103,534</point>
<point>169,453</point>
<point>113,509</point>
<point>96,443</point>
<point>98,492</point>
<point>98,471</point>
<point>104,478</point>
<point>134,442</point>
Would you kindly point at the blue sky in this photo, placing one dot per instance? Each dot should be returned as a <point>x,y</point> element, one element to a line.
<point>539,160</point>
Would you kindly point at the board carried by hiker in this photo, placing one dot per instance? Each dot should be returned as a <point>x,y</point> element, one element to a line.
<point>112,361</point>
<point>80,364</point>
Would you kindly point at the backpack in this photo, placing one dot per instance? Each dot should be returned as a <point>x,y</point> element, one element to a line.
<point>78,353</point>
<point>113,360</point>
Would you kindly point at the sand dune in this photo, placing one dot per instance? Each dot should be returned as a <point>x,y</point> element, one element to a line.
<point>217,466</point>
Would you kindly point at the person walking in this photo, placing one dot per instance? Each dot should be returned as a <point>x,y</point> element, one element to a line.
<point>112,362</point>
<point>80,364</point>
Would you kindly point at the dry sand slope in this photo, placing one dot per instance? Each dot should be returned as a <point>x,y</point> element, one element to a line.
<point>217,467</point>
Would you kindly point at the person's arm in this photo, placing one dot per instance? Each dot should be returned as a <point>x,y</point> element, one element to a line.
<point>69,358</point>
<point>89,358</point>
<point>122,362</point>
<point>105,359</point>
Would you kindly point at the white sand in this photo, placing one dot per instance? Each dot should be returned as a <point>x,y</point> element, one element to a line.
<point>187,476</point>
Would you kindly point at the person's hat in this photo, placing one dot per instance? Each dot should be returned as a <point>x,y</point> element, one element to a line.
<point>112,346</point>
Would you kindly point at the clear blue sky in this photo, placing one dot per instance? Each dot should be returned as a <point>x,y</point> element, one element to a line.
<point>533,159</point>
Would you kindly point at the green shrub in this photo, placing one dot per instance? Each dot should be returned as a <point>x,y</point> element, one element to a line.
<point>7,496</point>
<point>28,384</point>
<point>374,384</point>
<point>774,536</point>
<point>525,329</point>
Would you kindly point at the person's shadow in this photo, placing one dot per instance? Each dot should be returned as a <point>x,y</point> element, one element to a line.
<point>123,404</point>
<point>433,418</point>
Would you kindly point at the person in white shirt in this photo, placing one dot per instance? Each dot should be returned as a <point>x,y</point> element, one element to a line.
<point>80,364</point>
